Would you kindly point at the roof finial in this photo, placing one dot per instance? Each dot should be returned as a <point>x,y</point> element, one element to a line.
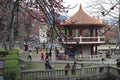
<point>80,7</point>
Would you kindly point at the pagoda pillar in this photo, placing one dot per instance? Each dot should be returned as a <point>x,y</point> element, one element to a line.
<point>96,50</point>
<point>92,49</point>
<point>65,32</point>
<point>92,46</point>
<point>91,32</point>
<point>70,32</point>
<point>96,34</point>
<point>80,33</point>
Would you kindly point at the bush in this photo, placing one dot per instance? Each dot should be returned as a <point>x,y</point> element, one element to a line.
<point>11,65</point>
<point>10,74</point>
<point>3,52</point>
<point>11,69</point>
<point>14,51</point>
<point>12,57</point>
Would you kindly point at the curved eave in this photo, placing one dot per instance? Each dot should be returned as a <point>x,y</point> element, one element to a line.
<point>90,25</point>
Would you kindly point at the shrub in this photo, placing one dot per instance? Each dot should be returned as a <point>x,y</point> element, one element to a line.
<point>14,51</point>
<point>11,65</point>
<point>12,57</point>
<point>11,70</point>
<point>3,52</point>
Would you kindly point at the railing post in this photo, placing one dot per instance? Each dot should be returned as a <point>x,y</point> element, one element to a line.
<point>108,71</point>
<point>82,69</point>
<point>80,39</point>
<point>98,38</point>
<point>53,74</point>
<point>97,70</point>
<point>80,56</point>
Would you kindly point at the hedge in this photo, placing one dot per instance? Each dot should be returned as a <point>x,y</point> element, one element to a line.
<point>14,51</point>
<point>3,52</point>
<point>11,65</point>
<point>12,57</point>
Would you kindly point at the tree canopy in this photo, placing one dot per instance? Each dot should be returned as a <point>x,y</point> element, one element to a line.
<point>17,15</point>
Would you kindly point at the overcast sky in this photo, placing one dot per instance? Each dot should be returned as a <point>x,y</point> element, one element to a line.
<point>76,3</point>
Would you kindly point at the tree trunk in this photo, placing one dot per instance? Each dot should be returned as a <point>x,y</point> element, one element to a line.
<point>11,39</point>
<point>5,45</point>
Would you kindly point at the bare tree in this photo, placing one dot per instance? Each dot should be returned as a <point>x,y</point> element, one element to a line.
<point>12,11</point>
<point>107,10</point>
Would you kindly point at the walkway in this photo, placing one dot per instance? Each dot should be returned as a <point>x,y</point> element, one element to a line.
<point>37,58</point>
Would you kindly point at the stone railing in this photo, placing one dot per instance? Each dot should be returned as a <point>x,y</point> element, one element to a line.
<point>90,57</point>
<point>115,56</point>
<point>80,73</point>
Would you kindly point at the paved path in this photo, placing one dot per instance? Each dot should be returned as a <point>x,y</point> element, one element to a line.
<point>36,58</point>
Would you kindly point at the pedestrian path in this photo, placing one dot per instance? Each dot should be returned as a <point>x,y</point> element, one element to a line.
<point>37,58</point>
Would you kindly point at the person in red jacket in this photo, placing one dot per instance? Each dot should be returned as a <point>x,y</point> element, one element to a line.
<point>42,56</point>
<point>67,67</point>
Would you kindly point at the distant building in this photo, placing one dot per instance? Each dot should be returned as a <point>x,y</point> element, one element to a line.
<point>39,32</point>
<point>43,33</point>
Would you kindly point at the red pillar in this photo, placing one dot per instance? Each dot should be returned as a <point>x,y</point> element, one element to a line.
<point>92,46</point>
<point>70,32</point>
<point>96,50</point>
<point>80,49</point>
<point>91,32</point>
<point>96,34</point>
<point>65,31</point>
<point>80,32</point>
<point>92,50</point>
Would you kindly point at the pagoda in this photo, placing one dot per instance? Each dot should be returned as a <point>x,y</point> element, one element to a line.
<point>82,34</point>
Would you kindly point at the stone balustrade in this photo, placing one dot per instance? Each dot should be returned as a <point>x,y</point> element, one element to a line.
<point>84,73</point>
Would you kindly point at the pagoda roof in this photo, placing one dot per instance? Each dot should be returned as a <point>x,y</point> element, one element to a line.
<point>82,18</point>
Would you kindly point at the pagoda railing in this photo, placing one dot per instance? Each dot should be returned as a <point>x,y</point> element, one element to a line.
<point>83,40</point>
<point>90,57</point>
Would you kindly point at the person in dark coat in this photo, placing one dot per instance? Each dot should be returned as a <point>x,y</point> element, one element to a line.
<point>50,52</point>
<point>101,65</point>
<point>67,67</point>
<point>47,56</point>
<point>118,65</point>
<point>48,65</point>
<point>73,68</point>
<point>37,49</point>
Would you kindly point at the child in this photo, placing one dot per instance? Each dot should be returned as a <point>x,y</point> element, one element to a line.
<point>42,56</point>
<point>30,55</point>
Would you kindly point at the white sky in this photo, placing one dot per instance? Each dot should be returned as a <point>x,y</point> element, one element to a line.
<point>73,3</point>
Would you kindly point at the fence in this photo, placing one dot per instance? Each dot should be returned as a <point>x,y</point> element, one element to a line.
<point>87,73</point>
<point>90,57</point>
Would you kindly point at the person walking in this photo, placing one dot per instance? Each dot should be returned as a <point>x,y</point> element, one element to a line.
<point>47,56</point>
<point>118,66</point>
<point>37,49</point>
<point>43,45</point>
<point>101,65</point>
<point>48,65</point>
<point>73,68</point>
<point>30,55</point>
<point>50,53</point>
<point>67,67</point>
<point>42,56</point>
